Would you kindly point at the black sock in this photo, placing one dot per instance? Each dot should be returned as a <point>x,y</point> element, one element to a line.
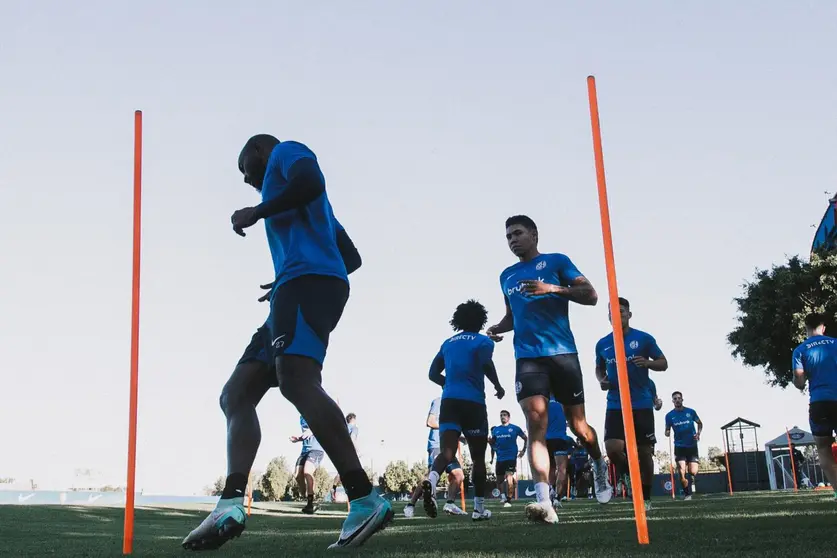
<point>356,483</point>
<point>646,492</point>
<point>450,501</point>
<point>334,488</point>
<point>235,486</point>
<point>310,498</point>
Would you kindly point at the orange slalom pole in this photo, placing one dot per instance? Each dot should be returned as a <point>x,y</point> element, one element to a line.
<point>618,339</point>
<point>726,458</point>
<point>793,461</point>
<point>128,527</point>
<point>671,467</point>
<point>461,483</point>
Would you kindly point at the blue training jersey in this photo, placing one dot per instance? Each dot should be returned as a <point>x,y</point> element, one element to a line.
<point>683,424</point>
<point>433,437</point>
<point>637,343</point>
<point>556,429</point>
<point>309,444</point>
<point>541,323</point>
<point>303,241</point>
<point>817,356</point>
<point>579,457</point>
<point>465,355</point>
<point>505,441</point>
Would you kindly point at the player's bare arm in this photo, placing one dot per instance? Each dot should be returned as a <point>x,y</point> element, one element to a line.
<point>799,379</point>
<point>503,326</point>
<point>657,364</point>
<point>699,430</point>
<point>432,421</point>
<point>304,185</point>
<point>525,445</point>
<point>601,376</point>
<point>580,291</point>
<point>491,373</point>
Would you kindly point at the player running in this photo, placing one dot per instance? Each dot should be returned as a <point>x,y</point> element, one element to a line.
<point>560,445</point>
<point>503,440</point>
<point>682,420</point>
<point>642,354</point>
<point>311,290</point>
<point>815,362</point>
<point>309,459</point>
<point>252,377</point>
<point>537,292</point>
<point>454,469</point>
<point>466,360</point>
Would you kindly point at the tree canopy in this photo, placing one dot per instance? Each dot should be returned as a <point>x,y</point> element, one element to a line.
<point>772,309</point>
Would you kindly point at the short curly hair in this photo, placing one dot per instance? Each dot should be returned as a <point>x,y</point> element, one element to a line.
<point>469,316</point>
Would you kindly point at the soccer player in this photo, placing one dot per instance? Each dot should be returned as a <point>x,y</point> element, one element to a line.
<point>311,290</point>
<point>642,354</point>
<point>466,360</point>
<point>815,363</point>
<point>579,468</point>
<point>351,424</point>
<point>682,420</point>
<point>503,440</point>
<point>309,459</point>
<point>454,469</point>
<point>537,292</point>
<point>559,445</point>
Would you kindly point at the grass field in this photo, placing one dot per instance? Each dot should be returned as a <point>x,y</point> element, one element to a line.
<point>755,524</point>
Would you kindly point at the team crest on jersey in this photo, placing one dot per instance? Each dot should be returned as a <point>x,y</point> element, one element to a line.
<point>634,344</point>
<point>688,415</point>
<point>540,265</point>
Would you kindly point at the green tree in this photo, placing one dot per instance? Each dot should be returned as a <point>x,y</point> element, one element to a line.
<point>663,461</point>
<point>418,471</point>
<point>397,477</point>
<point>772,308</point>
<point>274,481</point>
<point>322,483</point>
<point>717,458</point>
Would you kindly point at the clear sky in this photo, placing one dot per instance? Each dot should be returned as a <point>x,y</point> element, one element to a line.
<point>433,123</point>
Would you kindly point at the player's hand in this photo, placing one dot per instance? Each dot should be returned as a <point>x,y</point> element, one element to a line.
<point>242,219</point>
<point>521,454</point>
<point>658,404</point>
<point>295,439</point>
<point>269,288</point>
<point>605,385</point>
<point>697,437</point>
<point>533,287</point>
<point>493,336</point>
<point>500,393</point>
<point>640,361</point>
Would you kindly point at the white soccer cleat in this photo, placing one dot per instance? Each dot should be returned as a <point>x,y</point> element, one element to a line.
<point>556,503</point>
<point>687,498</point>
<point>648,507</point>
<point>541,512</point>
<point>453,509</point>
<point>485,515</point>
<point>409,511</point>
<point>604,491</point>
<point>507,504</point>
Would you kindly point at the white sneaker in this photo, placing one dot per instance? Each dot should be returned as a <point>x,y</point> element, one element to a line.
<point>507,504</point>
<point>648,507</point>
<point>485,515</point>
<point>409,511</point>
<point>557,504</point>
<point>687,498</point>
<point>541,512</point>
<point>604,492</point>
<point>453,509</point>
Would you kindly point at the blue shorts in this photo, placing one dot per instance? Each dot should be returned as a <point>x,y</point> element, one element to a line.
<point>259,350</point>
<point>460,415</point>
<point>822,417</point>
<point>303,313</point>
<point>432,454</point>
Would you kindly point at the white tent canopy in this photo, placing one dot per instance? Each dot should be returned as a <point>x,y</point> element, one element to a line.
<point>798,437</point>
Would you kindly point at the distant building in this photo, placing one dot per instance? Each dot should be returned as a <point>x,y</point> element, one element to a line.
<point>825,238</point>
